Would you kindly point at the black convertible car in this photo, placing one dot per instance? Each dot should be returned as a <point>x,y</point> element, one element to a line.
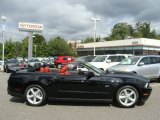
<point>92,84</point>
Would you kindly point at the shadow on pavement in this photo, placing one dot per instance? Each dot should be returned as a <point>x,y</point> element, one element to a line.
<point>17,100</point>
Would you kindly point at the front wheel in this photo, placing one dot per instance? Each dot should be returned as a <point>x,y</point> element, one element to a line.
<point>35,95</point>
<point>59,66</point>
<point>127,96</point>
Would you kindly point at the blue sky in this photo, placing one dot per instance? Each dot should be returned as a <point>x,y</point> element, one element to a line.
<point>71,18</point>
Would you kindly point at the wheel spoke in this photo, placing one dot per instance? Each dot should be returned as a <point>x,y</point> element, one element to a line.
<point>30,96</point>
<point>126,102</point>
<point>32,91</point>
<point>125,91</point>
<point>131,99</point>
<point>131,93</point>
<point>34,100</point>
<point>121,96</point>
<point>38,91</point>
<point>39,97</point>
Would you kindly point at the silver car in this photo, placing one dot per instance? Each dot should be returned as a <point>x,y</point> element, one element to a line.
<point>147,66</point>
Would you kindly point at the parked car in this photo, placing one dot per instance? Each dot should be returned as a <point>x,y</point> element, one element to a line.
<point>126,89</point>
<point>11,64</point>
<point>49,63</point>
<point>105,61</point>
<point>34,63</point>
<point>148,66</point>
<point>63,60</point>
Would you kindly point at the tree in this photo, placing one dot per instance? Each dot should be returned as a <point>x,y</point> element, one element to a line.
<point>10,49</point>
<point>120,31</point>
<point>18,47</point>
<point>142,30</point>
<point>88,40</point>
<point>24,52</point>
<point>41,49</point>
<point>58,46</point>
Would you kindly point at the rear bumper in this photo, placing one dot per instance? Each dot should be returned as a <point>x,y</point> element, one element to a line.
<point>145,93</point>
<point>14,92</point>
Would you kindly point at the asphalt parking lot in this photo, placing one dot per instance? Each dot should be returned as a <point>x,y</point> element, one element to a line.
<point>12,108</point>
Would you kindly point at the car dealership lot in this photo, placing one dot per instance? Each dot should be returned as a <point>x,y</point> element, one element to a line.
<point>15,109</point>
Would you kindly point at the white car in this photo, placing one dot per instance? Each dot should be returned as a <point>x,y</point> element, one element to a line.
<point>147,66</point>
<point>34,63</point>
<point>105,61</point>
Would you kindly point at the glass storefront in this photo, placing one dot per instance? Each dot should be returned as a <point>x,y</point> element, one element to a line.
<point>135,50</point>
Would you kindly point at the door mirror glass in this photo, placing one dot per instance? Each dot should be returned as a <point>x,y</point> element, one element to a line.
<point>141,64</point>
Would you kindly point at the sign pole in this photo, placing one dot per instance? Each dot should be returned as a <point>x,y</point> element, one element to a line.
<point>30,45</point>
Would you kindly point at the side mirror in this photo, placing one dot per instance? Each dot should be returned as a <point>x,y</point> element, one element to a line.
<point>89,74</point>
<point>141,64</point>
<point>108,61</point>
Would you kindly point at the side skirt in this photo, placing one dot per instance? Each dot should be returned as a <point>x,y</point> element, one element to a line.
<point>82,100</point>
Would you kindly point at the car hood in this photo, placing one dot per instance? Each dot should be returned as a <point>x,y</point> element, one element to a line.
<point>97,64</point>
<point>119,67</point>
<point>127,75</point>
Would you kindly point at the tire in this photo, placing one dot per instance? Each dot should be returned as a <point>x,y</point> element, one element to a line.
<point>59,66</point>
<point>35,95</point>
<point>7,71</point>
<point>127,96</point>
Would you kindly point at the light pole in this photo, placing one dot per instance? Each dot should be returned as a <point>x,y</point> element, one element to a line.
<point>35,50</point>
<point>95,24</point>
<point>3,39</point>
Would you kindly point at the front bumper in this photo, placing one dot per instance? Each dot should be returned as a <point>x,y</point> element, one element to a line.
<point>145,93</point>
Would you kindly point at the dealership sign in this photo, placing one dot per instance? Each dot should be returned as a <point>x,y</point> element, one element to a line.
<point>30,27</point>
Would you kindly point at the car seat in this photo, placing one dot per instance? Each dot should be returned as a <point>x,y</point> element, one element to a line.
<point>64,70</point>
<point>47,69</point>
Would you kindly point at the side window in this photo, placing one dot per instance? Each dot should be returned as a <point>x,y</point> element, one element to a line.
<point>154,60</point>
<point>64,58</point>
<point>112,58</point>
<point>145,60</point>
<point>158,58</point>
<point>120,58</point>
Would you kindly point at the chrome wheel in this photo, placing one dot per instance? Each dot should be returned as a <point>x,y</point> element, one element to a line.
<point>35,95</point>
<point>127,96</point>
<point>59,66</point>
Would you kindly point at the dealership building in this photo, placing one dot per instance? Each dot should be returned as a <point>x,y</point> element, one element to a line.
<point>138,46</point>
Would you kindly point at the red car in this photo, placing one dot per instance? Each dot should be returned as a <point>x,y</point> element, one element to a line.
<point>63,60</point>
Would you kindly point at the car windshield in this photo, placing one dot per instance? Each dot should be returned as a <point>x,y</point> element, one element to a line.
<point>89,58</point>
<point>99,59</point>
<point>81,58</point>
<point>34,60</point>
<point>99,71</point>
<point>130,61</point>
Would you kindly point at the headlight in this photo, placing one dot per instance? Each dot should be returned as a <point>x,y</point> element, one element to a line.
<point>146,85</point>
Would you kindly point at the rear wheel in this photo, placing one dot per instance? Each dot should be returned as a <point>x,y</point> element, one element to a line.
<point>127,96</point>
<point>35,95</point>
